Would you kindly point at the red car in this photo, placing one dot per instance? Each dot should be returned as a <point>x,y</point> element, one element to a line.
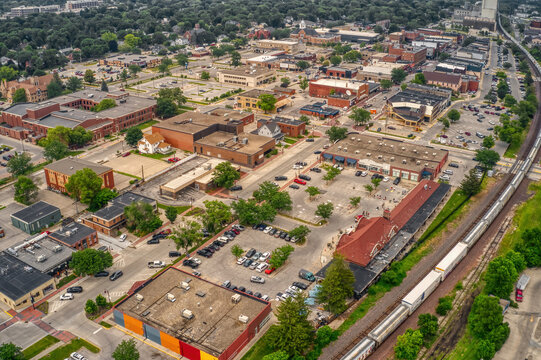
<point>269,271</point>
<point>235,231</point>
<point>467,133</point>
<point>299,181</point>
<point>165,232</point>
<point>173,159</point>
<point>126,154</point>
<point>444,136</point>
<point>358,217</point>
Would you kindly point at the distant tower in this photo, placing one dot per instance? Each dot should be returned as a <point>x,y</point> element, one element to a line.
<point>489,9</point>
<point>302,25</point>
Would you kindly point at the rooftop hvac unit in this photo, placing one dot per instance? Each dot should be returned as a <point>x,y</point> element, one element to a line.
<point>368,154</point>
<point>41,258</point>
<point>184,285</point>
<point>339,147</point>
<point>392,158</point>
<point>415,151</point>
<point>139,297</point>
<point>171,297</point>
<point>353,138</point>
<point>426,152</point>
<point>235,299</point>
<point>380,156</point>
<point>370,141</point>
<point>418,162</point>
<point>358,139</point>
<point>380,144</point>
<point>345,149</point>
<point>392,146</point>
<point>244,319</point>
<point>245,141</point>
<point>220,144</point>
<point>187,314</point>
<point>357,151</point>
<point>57,248</point>
<point>426,164</point>
<point>403,148</point>
<point>404,161</point>
<point>433,154</point>
<point>235,138</point>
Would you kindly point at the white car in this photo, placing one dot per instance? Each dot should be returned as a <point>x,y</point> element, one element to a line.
<point>448,172</point>
<point>77,356</point>
<point>386,178</point>
<point>241,260</point>
<point>364,173</point>
<point>66,296</point>
<point>196,260</point>
<point>122,237</point>
<point>262,267</point>
<point>264,256</point>
<point>267,229</point>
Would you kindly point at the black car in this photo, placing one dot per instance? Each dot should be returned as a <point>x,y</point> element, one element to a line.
<point>218,243</point>
<point>204,253</point>
<point>455,165</point>
<point>250,253</point>
<point>249,292</point>
<point>317,152</point>
<point>283,235</point>
<point>101,274</point>
<point>397,181</point>
<point>74,289</point>
<point>159,236</point>
<point>273,231</point>
<point>310,140</point>
<point>214,247</point>
<point>103,248</point>
<point>241,288</point>
<point>280,178</point>
<point>153,241</point>
<point>209,249</point>
<point>316,169</point>
<point>248,262</point>
<point>305,177</point>
<point>174,254</point>
<point>231,233</point>
<point>190,263</point>
<point>300,285</point>
<point>235,188</point>
<point>294,186</point>
<point>116,275</point>
<point>358,173</point>
<point>233,287</point>
<point>258,295</point>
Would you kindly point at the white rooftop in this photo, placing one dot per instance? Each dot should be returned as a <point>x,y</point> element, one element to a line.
<point>344,84</point>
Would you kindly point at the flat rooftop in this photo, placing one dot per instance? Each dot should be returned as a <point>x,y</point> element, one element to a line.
<point>72,233</point>
<point>191,176</point>
<point>247,71</point>
<point>44,254</point>
<point>35,211</point>
<point>254,144</point>
<point>127,58</point>
<point>418,97</point>
<point>192,122</point>
<point>381,68</point>
<point>17,278</point>
<point>228,113</point>
<point>281,42</point>
<point>215,323</point>
<point>69,166</point>
<point>255,93</point>
<point>344,84</point>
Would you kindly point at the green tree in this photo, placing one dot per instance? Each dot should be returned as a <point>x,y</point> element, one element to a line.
<point>470,185</point>
<point>305,119</point>
<point>216,214</point>
<point>500,277</point>
<point>355,201</point>
<point>270,193</point>
<point>104,86</point>
<point>485,350</point>
<point>266,102</point>
<point>300,232</point>
<point>132,41</point>
<point>337,286</point>
<point>205,75</point>
<point>19,164</point>
<point>89,76</point>
<point>507,65</point>
<point>369,188</point>
<point>487,158</point>
<point>126,350</point>
<point>166,108</point>
<point>90,261</point>
<point>277,355</point>
<point>325,210</point>
<point>336,133</point>
<point>335,60</point>
<point>186,236</point>
<point>218,52</point>
<point>502,89</point>
<point>285,81</point>
<point>419,79</point>
<point>225,175</point>
<point>360,116</point>
<point>408,345</point>
<point>445,122</point>
<point>485,316</point>
<point>428,326</point>
<point>19,96</point>
<point>182,59</point>
<point>444,56</point>
<point>84,185</point>
<point>8,73</point>
<point>79,136</point>
<point>403,86</point>
<point>104,105</point>
<point>235,59</point>
<point>488,142</point>
<point>312,191</point>
<point>10,351</point>
<point>237,251</point>
<point>454,115</point>
<point>509,100</point>
<point>304,83</point>
<point>398,75</point>
<point>102,198</point>
<point>141,218</point>
<point>530,246</point>
<point>133,135</point>
<point>293,333</point>
<point>444,305</point>
<point>54,89</point>
<point>249,212</point>
<point>375,182</point>
<point>175,94</point>
<point>101,301</point>
<point>171,213</point>
<point>331,174</point>
<point>386,84</point>
<point>73,84</point>
<point>498,335</point>
<point>280,255</point>
<point>25,190</point>
<point>91,307</point>
<point>303,65</point>
<point>134,69</point>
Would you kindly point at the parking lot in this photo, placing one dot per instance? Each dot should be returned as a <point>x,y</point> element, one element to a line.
<point>137,165</point>
<point>386,195</point>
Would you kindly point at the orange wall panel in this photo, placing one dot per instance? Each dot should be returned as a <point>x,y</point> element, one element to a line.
<point>133,324</point>
<point>170,342</point>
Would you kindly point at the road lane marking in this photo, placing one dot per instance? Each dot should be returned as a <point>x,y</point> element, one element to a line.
<point>97,331</point>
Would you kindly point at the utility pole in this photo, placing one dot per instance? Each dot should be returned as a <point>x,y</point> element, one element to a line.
<point>142,173</point>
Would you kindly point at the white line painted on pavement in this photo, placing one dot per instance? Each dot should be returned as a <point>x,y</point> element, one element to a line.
<point>97,331</point>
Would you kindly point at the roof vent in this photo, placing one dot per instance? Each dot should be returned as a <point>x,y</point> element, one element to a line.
<point>345,149</point>
<point>433,154</point>
<point>353,138</point>
<point>415,151</point>
<point>171,297</point>
<point>184,285</point>
<point>357,151</point>
<point>380,144</point>
<point>392,158</point>
<point>358,139</point>
<point>200,294</point>
<point>368,154</point>
<point>339,147</point>
<point>235,299</point>
<point>370,141</point>
<point>418,162</point>
<point>403,148</point>
<point>404,161</point>
<point>41,258</point>
<point>187,314</point>
<point>139,297</point>
<point>244,319</point>
<point>57,248</point>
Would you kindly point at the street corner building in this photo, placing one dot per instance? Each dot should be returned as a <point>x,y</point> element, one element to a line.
<point>57,174</point>
<point>36,217</point>
<point>192,317</point>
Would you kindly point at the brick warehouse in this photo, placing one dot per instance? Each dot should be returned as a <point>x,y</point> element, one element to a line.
<point>339,93</point>
<point>31,121</point>
<point>192,317</point>
<point>58,173</point>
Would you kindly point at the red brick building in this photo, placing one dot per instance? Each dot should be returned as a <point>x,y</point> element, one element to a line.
<point>58,173</point>
<point>76,236</point>
<point>445,80</point>
<point>339,72</point>
<point>290,127</point>
<point>339,93</point>
<point>411,55</point>
<point>28,120</point>
<point>469,83</point>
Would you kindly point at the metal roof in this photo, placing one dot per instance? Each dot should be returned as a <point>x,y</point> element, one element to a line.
<point>35,212</point>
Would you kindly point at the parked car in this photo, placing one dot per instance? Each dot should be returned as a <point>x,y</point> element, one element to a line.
<point>310,140</point>
<point>241,260</point>
<point>455,165</point>
<point>153,241</point>
<point>294,186</point>
<point>264,256</point>
<point>250,253</point>
<point>66,296</point>
<point>116,275</point>
<point>101,274</point>
<point>300,285</point>
<point>77,356</point>
<point>226,284</point>
<point>270,270</point>
<point>305,177</point>
<point>397,181</point>
<point>126,154</point>
<point>257,279</point>
<point>315,169</point>
<point>204,253</point>
<point>75,289</point>
<point>280,178</point>
<point>247,263</point>
<point>358,173</point>
<point>299,181</point>
<point>122,237</point>
<point>235,188</point>
<point>103,248</point>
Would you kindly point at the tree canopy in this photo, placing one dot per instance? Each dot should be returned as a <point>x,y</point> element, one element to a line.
<point>336,133</point>
<point>84,185</point>
<point>337,286</point>
<point>225,175</point>
<point>126,350</point>
<point>19,164</point>
<point>25,190</point>
<point>141,218</point>
<point>90,261</point>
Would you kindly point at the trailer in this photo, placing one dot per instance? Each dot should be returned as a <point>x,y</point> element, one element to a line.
<point>521,285</point>
<point>390,324</point>
<point>420,292</point>
<point>361,351</point>
<point>448,263</point>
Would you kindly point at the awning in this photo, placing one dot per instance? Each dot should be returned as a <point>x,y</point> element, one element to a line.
<point>327,156</point>
<point>352,161</point>
<point>338,158</point>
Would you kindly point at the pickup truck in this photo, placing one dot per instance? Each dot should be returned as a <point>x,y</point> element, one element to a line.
<point>156,264</point>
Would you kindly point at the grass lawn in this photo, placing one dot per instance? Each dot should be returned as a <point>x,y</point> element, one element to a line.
<point>39,346</point>
<point>526,217</point>
<point>147,124</point>
<point>184,107</point>
<point>126,174</point>
<point>465,349</point>
<point>65,280</point>
<point>197,102</point>
<point>64,352</point>
<point>180,209</point>
<point>289,140</point>
<point>75,153</point>
<point>259,350</point>
<point>156,156</point>
<point>105,324</point>
<point>513,148</point>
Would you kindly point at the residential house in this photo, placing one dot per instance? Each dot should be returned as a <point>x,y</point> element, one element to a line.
<point>152,144</point>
